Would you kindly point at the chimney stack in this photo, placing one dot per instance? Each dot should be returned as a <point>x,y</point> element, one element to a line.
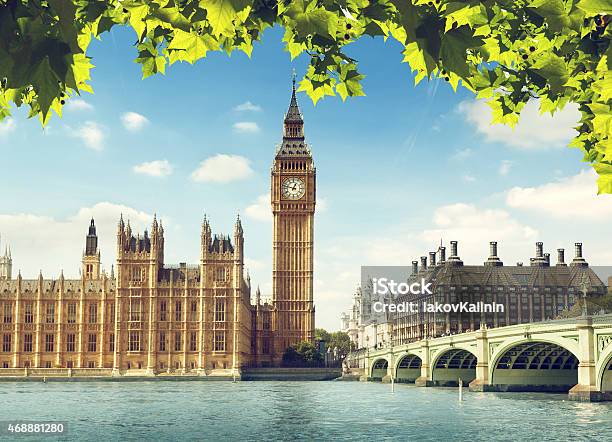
<point>578,260</point>
<point>423,262</point>
<point>578,246</point>
<point>442,254</point>
<point>415,267</point>
<point>454,258</point>
<point>540,259</point>
<point>561,258</point>
<point>493,260</point>
<point>432,259</point>
<point>547,258</point>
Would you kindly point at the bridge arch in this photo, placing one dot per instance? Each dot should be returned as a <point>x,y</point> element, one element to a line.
<point>379,369</point>
<point>452,364</point>
<point>604,370</point>
<point>535,365</point>
<point>408,367</point>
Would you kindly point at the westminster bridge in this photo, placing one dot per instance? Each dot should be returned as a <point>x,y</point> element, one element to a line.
<point>570,355</point>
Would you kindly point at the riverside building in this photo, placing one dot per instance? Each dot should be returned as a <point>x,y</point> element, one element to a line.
<point>147,317</point>
<point>537,292</point>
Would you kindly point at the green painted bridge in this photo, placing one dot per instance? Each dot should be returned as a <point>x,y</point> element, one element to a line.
<point>572,355</point>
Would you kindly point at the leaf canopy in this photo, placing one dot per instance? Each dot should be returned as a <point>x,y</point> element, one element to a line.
<point>505,51</point>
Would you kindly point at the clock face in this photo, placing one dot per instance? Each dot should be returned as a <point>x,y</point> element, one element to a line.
<point>293,188</point>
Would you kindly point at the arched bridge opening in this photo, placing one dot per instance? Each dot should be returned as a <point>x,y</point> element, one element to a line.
<point>535,366</point>
<point>408,368</point>
<point>452,365</point>
<point>379,369</point>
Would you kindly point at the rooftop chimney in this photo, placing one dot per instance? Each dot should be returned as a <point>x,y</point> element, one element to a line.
<point>578,260</point>
<point>454,258</point>
<point>432,259</point>
<point>423,262</point>
<point>547,258</point>
<point>493,258</point>
<point>442,255</point>
<point>539,260</point>
<point>415,267</point>
<point>561,258</point>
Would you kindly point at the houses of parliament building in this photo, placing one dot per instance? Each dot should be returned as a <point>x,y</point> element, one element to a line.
<point>149,318</point>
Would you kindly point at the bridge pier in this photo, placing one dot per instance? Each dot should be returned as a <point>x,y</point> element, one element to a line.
<point>390,369</point>
<point>426,379</point>
<point>586,389</point>
<point>482,381</point>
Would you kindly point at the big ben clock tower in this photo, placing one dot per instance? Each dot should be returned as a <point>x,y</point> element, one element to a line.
<point>293,197</point>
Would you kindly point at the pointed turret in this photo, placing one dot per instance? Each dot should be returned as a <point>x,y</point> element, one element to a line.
<point>91,241</point>
<point>293,129</point>
<point>90,265</point>
<point>238,227</point>
<point>6,264</point>
<point>293,113</point>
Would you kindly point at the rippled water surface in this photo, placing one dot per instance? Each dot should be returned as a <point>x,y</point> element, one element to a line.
<point>298,410</point>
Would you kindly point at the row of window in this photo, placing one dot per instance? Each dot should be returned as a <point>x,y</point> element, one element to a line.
<point>134,313</point>
<point>28,343</point>
<point>48,312</point>
<point>134,342</point>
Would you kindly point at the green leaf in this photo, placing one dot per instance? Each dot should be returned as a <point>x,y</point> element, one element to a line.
<point>604,87</point>
<point>190,47</point>
<point>318,22</point>
<point>66,12</point>
<point>554,69</point>
<point>453,51</point>
<point>593,7</point>
<point>222,14</point>
<point>553,11</point>
<point>604,182</point>
<point>45,83</point>
<point>458,14</point>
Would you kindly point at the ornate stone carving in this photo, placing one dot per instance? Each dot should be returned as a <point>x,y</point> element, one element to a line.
<point>603,342</point>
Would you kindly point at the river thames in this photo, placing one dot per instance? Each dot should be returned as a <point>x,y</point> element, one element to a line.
<point>191,410</point>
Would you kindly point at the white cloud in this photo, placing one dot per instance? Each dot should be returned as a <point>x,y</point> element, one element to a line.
<point>50,244</point>
<point>247,106</point>
<point>573,198</point>
<point>222,168</point>
<point>468,178</point>
<point>322,204</point>
<point>533,131</point>
<point>157,168</point>
<point>133,121</point>
<point>78,104</point>
<point>91,134</point>
<point>462,154</point>
<point>246,127</point>
<point>504,167</point>
<point>7,126</point>
<point>260,209</point>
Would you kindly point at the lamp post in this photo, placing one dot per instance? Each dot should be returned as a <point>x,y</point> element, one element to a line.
<point>585,289</point>
<point>367,361</point>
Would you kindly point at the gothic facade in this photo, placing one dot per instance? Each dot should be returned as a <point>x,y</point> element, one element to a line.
<point>147,317</point>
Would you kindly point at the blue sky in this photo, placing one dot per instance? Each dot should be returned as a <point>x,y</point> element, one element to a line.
<point>397,170</point>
